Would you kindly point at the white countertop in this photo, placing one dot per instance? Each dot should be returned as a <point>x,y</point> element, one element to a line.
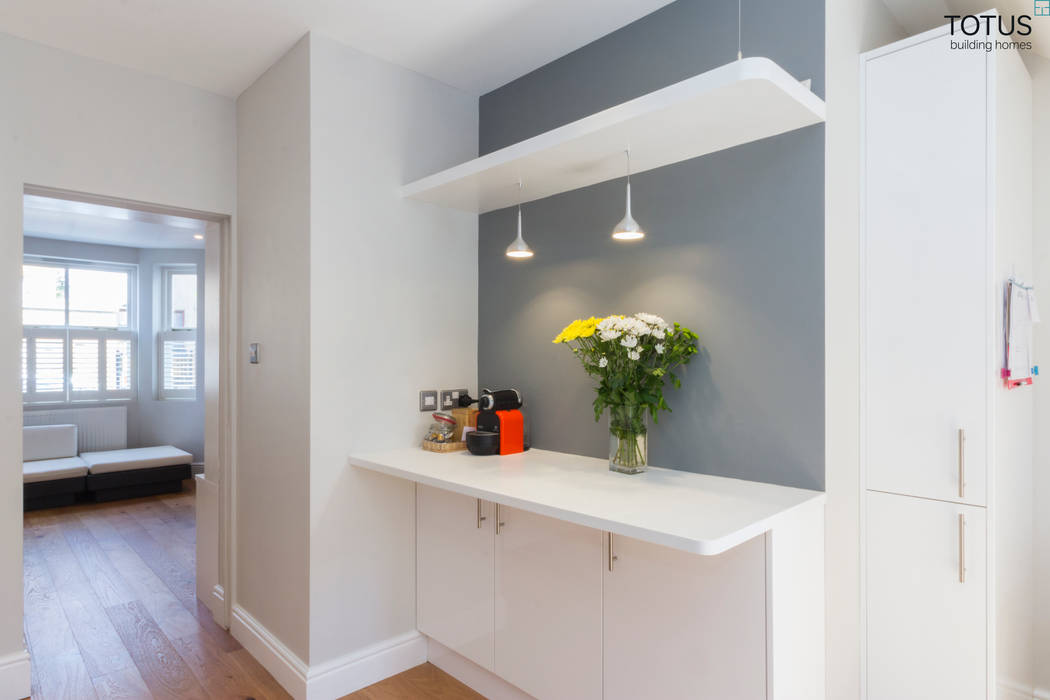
<point>697,513</point>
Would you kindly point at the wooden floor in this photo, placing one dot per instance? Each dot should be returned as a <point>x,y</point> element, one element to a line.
<point>111,612</point>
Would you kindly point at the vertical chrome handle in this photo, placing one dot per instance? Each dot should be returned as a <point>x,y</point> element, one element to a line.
<point>499,520</point>
<point>962,548</point>
<point>612,557</point>
<point>481,518</point>
<point>962,463</point>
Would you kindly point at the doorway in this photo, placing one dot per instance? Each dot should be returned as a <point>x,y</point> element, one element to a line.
<point>127,313</point>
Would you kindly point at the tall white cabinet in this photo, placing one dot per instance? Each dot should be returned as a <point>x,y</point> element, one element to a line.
<point>946,450</point>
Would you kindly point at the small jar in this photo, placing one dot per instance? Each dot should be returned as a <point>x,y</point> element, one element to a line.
<point>442,429</point>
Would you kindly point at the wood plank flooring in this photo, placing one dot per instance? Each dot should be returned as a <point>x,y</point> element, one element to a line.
<point>111,613</point>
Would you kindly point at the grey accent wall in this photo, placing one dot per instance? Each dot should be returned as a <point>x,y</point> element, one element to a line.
<point>150,421</point>
<point>735,251</point>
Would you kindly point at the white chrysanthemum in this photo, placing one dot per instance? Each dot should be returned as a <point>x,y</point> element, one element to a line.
<point>629,341</point>
<point>659,348</point>
<point>652,320</point>
<point>609,334</point>
<point>634,354</point>
<point>607,323</point>
<point>603,362</point>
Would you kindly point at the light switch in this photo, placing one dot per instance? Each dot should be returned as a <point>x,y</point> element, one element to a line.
<point>253,353</point>
<point>428,400</point>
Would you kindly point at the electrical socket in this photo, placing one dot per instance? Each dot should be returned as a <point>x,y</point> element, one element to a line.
<point>450,398</point>
<point>428,400</point>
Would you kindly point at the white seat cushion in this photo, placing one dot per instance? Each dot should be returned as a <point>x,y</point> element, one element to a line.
<point>138,458</point>
<point>52,469</point>
<point>48,442</point>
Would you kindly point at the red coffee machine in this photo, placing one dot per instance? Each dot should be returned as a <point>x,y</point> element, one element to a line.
<point>501,424</point>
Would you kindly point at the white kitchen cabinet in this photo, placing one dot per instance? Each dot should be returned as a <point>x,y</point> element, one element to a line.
<point>946,192</point>
<point>928,273</point>
<point>548,606</point>
<point>455,572</point>
<point>678,626</point>
<point>717,590</point>
<point>926,589</point>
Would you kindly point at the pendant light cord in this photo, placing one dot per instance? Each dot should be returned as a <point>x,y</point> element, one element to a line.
<point>739,29</point>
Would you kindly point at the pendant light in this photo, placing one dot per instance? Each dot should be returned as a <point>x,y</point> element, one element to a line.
<point>519,248</point>
<point>628,229</point>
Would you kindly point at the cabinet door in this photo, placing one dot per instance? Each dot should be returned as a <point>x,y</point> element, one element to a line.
<point>680,626</point>
<point>455,569</point>
<point>549,606</point>
<point>927,629</point>
<point>928,299</point>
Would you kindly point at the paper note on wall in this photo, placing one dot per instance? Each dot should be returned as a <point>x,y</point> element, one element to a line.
<point>1020,313</point>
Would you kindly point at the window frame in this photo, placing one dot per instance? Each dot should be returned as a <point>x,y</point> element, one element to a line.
<point>165,333</point>
<point>69,334</point>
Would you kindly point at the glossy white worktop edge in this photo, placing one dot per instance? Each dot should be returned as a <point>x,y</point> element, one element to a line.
<point>504,480</point>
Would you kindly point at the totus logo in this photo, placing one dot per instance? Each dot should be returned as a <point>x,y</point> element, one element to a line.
<point>990,32</point>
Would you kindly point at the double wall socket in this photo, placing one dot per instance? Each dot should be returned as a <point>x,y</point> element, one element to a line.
<point>450,398</point>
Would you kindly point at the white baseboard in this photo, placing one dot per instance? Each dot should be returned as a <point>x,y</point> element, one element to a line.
<point>15,680</point>
<point>1008,690</point>
<point>346,674</point>
<point>471,675</point>
<point>286,668</point>
<point>331,679</point>
<point>216,603</point>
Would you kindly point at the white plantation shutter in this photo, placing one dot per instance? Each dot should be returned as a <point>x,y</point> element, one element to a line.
<point>178,364</point>
<point>44,366</point>
<point>84,379</point>
<point>60,366</point>
<point>119,365</point>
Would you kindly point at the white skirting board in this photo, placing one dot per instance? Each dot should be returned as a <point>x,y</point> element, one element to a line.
<point>14,676</point>
<point>1009,690</point>
<point>471,675</point>
<point>331,679</point>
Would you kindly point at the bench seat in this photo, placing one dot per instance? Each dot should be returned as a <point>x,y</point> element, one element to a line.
<point>137,458</point>
<point>53,469</point>
<point>52,473</point>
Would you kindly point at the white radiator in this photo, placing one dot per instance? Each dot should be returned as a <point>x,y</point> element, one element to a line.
<point>98,429</point>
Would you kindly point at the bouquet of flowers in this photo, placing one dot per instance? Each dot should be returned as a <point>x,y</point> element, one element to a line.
<point>631,357</point>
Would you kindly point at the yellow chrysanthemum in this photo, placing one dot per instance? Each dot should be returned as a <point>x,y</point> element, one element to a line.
<point>568,333</point>
<point>588,327</point>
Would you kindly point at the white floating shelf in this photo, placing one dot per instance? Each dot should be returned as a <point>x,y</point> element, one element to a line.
<point>737,103</point>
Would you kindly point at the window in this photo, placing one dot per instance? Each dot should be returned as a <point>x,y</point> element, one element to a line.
<point>177,336</point>
<point>77,339</point>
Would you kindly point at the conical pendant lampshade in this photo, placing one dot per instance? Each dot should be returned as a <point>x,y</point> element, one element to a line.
<point>519,248</point>
<point>628,229</point>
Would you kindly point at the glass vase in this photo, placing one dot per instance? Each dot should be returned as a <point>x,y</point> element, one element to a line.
<point>628,439</point>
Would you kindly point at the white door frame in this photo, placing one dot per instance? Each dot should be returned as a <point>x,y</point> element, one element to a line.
<point>225,472</point>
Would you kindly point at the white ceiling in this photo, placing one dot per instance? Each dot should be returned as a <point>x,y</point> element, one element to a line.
<point>916,16</point>
<point>65,220</point>
<point>224,45</point>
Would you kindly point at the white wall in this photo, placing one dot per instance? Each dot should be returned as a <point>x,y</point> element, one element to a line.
<point>150,421</point>
<point>852,27</point>
<point>1039,68</point>
<point>273,409</point>
<point>393,309</point>
<point>87,126</point>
